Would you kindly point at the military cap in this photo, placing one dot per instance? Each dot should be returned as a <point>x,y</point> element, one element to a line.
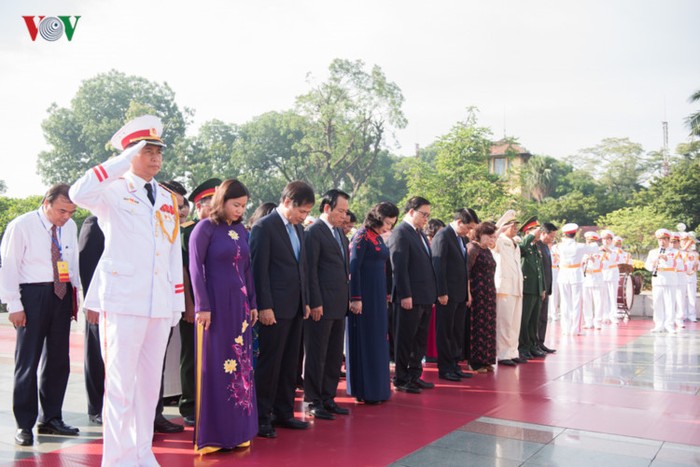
<point>204,190</point>
<point>147,128</point>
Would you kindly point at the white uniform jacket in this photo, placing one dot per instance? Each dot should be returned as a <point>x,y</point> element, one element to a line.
<point>570,258</point>
<point>665,268</point>
<point>140,271</point>
<point>509,274</point>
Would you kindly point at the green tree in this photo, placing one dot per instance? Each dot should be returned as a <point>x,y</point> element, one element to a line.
<point>637,226</point>
<point>79,135</point>
<point>459,176</point>
<point>617,164</point>
<point>209,154</point>
<point>572,207</point>
<point>677,195</point>
<point>268,152</point>
<point>386,183</point>
<point>693,121</point>
<point>538,177</point>
<point>349,118</point>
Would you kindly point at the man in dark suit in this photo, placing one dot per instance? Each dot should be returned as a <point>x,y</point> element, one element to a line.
<point>414,294</point>
<point>91,243</point>
<point>327,256</point>
<point>533,290</point>
<point>279,269</point>
<point>450,263</point>
<point>547,234</point>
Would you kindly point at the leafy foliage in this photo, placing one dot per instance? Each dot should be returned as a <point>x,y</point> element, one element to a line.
<point>637,226</point>
<point>79,135</point>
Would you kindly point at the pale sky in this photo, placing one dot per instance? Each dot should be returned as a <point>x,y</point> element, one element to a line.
<point>560,75</point>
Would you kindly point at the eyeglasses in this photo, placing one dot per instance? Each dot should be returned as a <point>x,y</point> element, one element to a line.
<point>426,215</point>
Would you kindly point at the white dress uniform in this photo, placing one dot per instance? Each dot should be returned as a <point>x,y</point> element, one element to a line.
<point>509,297</point>
<point>553,303</point>
<point>138,290</point>
<point>570,279</point>
<point>594,310</point>
<point>692,264</point>
<point>611,278</point>
<point>662,263</point>
<point>681,296</point>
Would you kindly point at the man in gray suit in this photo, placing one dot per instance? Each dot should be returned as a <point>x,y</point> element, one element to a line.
<point>328,273</point>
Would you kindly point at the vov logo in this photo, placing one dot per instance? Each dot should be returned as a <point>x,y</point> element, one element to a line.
<point>51,28</point>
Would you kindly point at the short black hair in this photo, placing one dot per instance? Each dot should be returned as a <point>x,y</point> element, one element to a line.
<point>464,216</point>
<point>415,203</point>
<point>56,191</point>
<point>548,227</point>
<point>375,217</point>
<point>351,216</point>
<point>473,214</point>
<point>331,198</point>
<point>175,187</point>
<point>299,192</point>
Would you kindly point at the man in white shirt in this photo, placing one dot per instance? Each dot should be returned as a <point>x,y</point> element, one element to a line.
<point>137,289</point>
<point>38,275</point>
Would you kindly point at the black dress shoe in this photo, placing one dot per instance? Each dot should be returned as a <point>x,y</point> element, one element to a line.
<point>410,387</point>
<point>267,431</point>
<point>188,420</point>
<point>450,377</point>
<point>292,424</point>
<point>520,359</point>
<point>424,384</point>
<point>55,426</point>
<point>462,374</point>
<point>544,348</point>
<point>24,437</point>
<point>163,425</point>
<point>537,353</point>
<point>96,419</point>
<point>332,407</point>
<point>526,355</point>
<point>506,362</point>
<point>320,413</point>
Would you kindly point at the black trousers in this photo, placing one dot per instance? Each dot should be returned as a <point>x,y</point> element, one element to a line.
<point>276,371</point>
<point>449,334</point>
<point>94,369</point>
<point>411,339</point>
<point>159,406</point>
<point>187,398</point>
<point>544,316</point>
<point>46,340</point>
<point>530,322</point>
<point>323,345</point>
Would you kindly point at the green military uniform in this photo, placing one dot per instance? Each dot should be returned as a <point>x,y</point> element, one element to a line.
<point>533,288</point>
<point>187,360</point>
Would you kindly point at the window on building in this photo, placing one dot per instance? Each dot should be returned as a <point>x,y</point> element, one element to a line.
<point>499,165</point>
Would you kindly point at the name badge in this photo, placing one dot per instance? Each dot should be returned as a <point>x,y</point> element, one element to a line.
<point>62,267</point>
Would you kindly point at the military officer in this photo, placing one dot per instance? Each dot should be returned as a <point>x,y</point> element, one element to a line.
<point>611,277</point>
<point>662,265</point>
<point>691,261</point>
<point>137,287</point>
<point>594,310</point>
<point>681,297</point>
<point>533,290</point>
<point>570,278</point>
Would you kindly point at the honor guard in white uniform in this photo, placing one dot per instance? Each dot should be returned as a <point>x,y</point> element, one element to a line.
<point>691,270</point>
<point>594,310</point>
<point>611,277</point>
<point>681,302</point>
<point>623,257</point>
<point>570,279</point>
<point>553,302</point>
<point>662,265</point>
<point>137,287</point>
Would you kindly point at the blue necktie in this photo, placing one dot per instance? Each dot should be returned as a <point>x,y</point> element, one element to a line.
<point>296,246</point>
<point>462,247</point>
